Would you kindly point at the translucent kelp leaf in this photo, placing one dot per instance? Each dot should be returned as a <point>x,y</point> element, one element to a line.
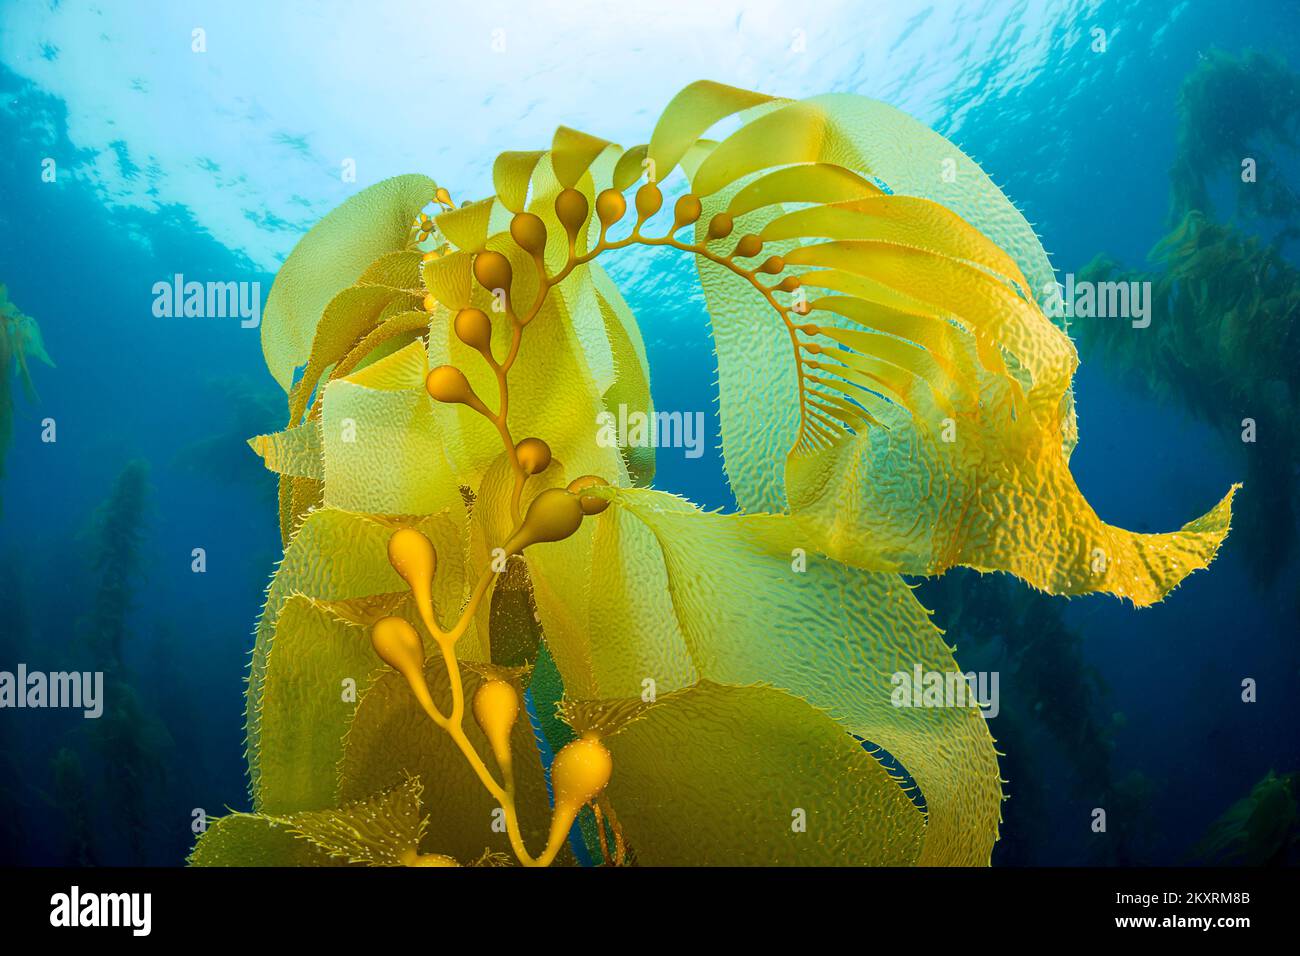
<point>629,582</point>
<point>689,115</point>
<point>909,451</point>
<point>873,138</point>
<point>294,451</point>
<point>515,634</point>
<point>391,737</point>
<point>250,839</point>
<point>867,139</point>
<point>1002,499</point>
<point>331,257</point>
<point>350,315</point>
<point>384,830</point>
<point>573,152</point>
<point>808,182</point>
<point>832,635</point>
<point>397,330</point>
<point>752,776</point>
<point>630,167</point>
<point>466,227</point>
<point>316,667</point>
<point>546,688</point>
<point>449,278</point>
<point>399,271</point>
<point>511,174</point>
<point>383,453</point>
<point>631,386</point>
<point>339,556</point>
<point>298,496</point>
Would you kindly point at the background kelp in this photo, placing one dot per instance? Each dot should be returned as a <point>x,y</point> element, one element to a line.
<point>1222,345</point>
<point>1226,301</point>
<point>915,415</point>
<point>129,743</point>
<point>1053,708</point>
<point>1230,109</point>
<point>20,344</point>
<point>1260,829</point>
<point>104,780</point>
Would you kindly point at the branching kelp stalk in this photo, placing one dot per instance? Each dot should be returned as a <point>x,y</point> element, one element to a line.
<point>908,411</point>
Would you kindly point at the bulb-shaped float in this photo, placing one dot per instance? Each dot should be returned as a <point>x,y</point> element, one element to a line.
<point>400,647</point>
<point>412,556</point>
<point>580,772</point>
<point>496,708</point>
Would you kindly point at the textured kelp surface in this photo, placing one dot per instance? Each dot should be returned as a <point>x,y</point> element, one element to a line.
<point>893,400</point>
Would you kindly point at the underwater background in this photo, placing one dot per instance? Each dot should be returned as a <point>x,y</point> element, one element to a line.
<point>1124,148</point>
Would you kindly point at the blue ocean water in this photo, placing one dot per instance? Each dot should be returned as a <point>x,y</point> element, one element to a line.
<point>211,164</point>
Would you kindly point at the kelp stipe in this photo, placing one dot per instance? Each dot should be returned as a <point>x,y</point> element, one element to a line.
<point>69,797</point>
<point>892,400</point>
<point>129,741</point>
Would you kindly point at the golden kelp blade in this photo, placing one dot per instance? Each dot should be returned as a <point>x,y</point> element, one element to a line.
<point>385,829</point>
<point>1031,521</point>
<point>331,257</point>
<point>679,595</point>
<point>917,413</point>
<point>732,749</point>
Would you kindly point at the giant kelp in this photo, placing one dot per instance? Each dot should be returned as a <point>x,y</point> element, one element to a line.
<point>20,343</point>
<point>1260,829</point>
<point>1225,301</point>
<point>893,400</point>
<point>1053,707</point>
<point>118,531</point>
<point>1233,112</point>
<point>1228,307</point>
<point>14,642</point>
<point>128,741</point>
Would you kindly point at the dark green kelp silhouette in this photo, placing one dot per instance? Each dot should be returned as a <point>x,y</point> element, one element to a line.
<point>1235,110</point>
<point>110,771</point>
<point>128,737</point>
<point>1260,829</point>
<point>1225,300</point>
<point>1053,707</point>
<point>70,796</point>
<point>14,641</point>
<point>118,533</point>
